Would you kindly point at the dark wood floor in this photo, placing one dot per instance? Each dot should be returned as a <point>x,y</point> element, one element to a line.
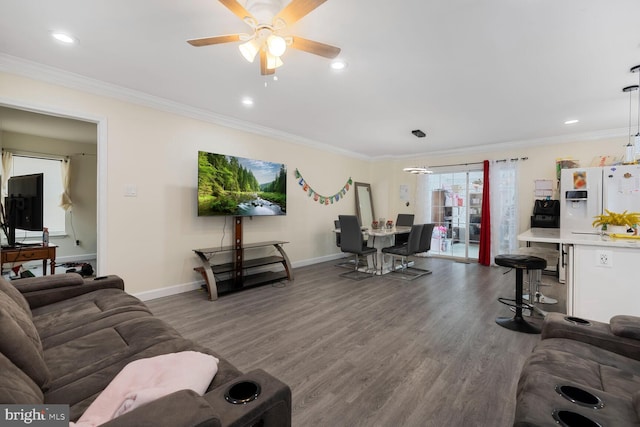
<point>378,352</point>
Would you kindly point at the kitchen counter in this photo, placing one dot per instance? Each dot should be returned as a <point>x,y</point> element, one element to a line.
<point>555,235</point>
<point>599,271</point>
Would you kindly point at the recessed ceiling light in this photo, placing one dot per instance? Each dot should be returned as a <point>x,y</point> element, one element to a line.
<point>338,64</point>
<point>63,37</point>
<point>248,102</point>
<point>571,122</point>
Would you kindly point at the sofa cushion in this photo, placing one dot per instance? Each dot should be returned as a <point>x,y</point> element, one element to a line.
<point>14,294</point>
<point>145,380</point>
<point>537,400</point>
<point>626,326</point>
<point>585,364</point>
<point>16,387</point>
<point>81,368</point>
<point>20,342</point>
<point>84,312</point>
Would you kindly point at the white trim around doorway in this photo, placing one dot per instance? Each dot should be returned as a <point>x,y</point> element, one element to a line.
<point>101,124</point>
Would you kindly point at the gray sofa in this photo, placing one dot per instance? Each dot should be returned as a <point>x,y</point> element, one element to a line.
<point>64,338</point>
<point>582,373</point>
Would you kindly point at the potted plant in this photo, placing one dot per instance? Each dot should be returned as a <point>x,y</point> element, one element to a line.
<point>613,222</point>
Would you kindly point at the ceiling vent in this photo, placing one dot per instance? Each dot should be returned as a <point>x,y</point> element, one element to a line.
<point>418,133</point>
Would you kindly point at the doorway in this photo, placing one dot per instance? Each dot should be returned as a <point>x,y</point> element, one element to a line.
<point>456,211</point>
<point>33,133</point>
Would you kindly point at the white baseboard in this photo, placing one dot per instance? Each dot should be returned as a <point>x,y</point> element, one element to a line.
<point>186,287</point>
<point>318,260</point>
<point>171,290</point>
<point>76,258</point>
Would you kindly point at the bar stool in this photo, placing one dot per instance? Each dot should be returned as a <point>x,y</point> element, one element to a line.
<point>520,263</point>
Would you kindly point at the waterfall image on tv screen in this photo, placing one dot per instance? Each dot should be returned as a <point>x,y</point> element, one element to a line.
<point>237,186</point>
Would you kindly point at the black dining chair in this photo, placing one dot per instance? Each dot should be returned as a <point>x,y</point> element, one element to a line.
<point>345,262</point>
<point>405,251</point>
<point>425,245</point>
<point>403,220</point>
<point>352,241</point>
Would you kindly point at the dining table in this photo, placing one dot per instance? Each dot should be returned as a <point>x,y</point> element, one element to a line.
<point>381,238</point>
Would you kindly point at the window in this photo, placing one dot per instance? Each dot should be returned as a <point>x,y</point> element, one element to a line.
<point>455,203</point>
<point>54,215</point>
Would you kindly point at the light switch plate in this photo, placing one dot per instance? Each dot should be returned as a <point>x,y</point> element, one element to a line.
<point>130,190</point>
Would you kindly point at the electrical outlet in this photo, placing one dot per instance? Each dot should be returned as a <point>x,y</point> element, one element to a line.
<point>77,242</point>
<point>604,258</point>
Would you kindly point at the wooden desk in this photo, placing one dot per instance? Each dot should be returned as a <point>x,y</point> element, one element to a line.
<point>31,253</point>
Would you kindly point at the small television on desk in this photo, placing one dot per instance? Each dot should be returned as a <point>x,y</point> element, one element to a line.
<point>24,205</point>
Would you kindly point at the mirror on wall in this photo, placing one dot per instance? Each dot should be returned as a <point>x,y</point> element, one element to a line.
<point>364,203</point>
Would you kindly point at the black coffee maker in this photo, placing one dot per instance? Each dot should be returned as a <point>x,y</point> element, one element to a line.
<point>546,214</point>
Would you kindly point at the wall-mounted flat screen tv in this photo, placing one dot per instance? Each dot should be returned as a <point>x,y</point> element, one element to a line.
<point>238,186</point>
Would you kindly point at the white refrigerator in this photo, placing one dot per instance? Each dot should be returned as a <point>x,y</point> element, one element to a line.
<point>621,188</point>
<point>587,192</point>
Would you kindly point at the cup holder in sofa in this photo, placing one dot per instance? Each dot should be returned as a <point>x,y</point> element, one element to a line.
<point>579,396</point>
<point>242,392</point>
<point>577,320</point>
<point>573,419</point>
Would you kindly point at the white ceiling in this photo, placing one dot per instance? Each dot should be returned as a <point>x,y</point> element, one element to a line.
<point>467,72</point>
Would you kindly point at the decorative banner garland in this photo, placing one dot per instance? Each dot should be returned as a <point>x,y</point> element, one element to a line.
<point>323,200</point>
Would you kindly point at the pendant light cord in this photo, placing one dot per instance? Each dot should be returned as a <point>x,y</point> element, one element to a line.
<point>630,117</point>
<point>638,131</point>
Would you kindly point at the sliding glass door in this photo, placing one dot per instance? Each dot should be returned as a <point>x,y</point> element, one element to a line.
<point>455,200</point>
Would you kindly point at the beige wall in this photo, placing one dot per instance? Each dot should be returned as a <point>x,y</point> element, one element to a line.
<point>149,239</point>
<point>83,190</point>
<point>541,164</point>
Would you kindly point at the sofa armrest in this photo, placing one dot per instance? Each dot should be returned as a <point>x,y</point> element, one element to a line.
<point>626,326</point>
<point>40,291</point>
<point>598,334</point>
<point>184,408</point>
<point>272,407</point>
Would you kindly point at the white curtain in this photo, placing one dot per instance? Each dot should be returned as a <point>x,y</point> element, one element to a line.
<point>423,200</point>
<point>65,198</point>
<point>503,177</point>
<point>7,165</point>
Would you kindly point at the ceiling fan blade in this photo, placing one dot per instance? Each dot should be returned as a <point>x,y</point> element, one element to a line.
<point>296,10</point>
<point>263,64</point>
<point>314,47</point>
<point>237,9</point>
<point>206,41</point>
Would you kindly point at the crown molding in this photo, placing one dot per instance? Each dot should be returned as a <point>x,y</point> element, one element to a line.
<point>36,71</point>
<point>524,143</point>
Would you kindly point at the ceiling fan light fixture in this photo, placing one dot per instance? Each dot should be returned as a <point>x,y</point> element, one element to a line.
<point>250,49</point>
<point>276,45</point>
<point>273,62</point>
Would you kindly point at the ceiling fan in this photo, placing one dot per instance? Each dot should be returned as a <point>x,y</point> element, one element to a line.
<point>268,39</point>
